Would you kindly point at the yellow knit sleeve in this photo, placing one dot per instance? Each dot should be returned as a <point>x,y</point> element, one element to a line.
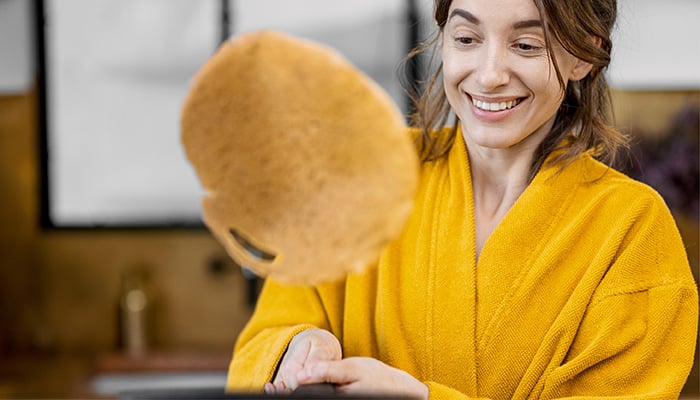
<point>281,312</point>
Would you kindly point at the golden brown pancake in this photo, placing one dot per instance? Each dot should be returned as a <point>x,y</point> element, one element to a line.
<point>307,165</point>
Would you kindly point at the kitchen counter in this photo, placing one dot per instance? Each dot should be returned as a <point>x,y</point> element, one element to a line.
<point>40,376</point>
<point>43,376</point>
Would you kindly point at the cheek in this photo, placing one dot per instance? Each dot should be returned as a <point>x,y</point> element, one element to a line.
<point>551,86</point>
<point>452,92</point>
<point>450,64</point>
<point>552,91</point>
<point>541,79</point>
<point>452,75</point>
<point>457,66</point>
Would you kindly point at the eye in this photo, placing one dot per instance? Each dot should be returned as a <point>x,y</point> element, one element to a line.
<point>528,47</point>
<point>252,249</point>
<point>525,47</point>
<point>464,40</point>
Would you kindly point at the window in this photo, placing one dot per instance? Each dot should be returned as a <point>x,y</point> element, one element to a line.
<point>115,73</point>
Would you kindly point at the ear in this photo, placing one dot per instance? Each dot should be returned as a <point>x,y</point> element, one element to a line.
<point>581,68</point>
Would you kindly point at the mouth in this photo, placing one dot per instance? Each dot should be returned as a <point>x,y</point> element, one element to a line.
<point>496,106</point>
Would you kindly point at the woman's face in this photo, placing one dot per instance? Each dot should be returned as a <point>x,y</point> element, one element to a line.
<point>498,77</point>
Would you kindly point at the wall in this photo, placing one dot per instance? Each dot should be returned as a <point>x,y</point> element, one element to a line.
<point>79,279</point>
<point>18,171</point>
<point>59,289</point>
<point>650,110</point>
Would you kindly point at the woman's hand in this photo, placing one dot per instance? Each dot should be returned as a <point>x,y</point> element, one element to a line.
<point>363,375</point>
<point>307,348</point>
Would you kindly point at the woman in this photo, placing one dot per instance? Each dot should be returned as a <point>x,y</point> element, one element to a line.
<point>528,269</point>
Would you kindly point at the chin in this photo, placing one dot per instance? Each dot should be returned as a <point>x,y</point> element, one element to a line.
<point>492,139</point>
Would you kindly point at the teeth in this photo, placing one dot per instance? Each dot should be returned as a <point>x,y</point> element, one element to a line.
<point>504,105</point>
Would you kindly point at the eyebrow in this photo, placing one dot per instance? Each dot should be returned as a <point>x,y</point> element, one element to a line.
<point>529,23</point>
<point>458,12</point>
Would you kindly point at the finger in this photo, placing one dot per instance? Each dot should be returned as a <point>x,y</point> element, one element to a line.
<point>305,377</point>
<point>287,378</point>
<point>338,372</point>
<point>287,382</point>
<point>281,387</point>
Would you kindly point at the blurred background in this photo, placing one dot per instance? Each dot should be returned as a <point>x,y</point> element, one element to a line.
<point>107,278</point>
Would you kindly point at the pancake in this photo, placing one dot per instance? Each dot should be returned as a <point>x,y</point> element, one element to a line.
<point>307,165</point>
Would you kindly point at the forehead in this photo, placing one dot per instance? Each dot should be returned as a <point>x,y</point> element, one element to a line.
<point>493,11</point>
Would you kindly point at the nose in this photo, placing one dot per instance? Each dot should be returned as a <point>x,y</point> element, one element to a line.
<point>493,68</point>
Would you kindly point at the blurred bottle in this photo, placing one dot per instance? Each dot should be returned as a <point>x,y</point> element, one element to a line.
<point>135,309</point>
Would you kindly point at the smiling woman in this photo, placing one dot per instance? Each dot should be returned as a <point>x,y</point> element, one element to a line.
<point>529,267</point>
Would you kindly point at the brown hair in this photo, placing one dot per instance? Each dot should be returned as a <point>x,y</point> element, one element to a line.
<point>582,121</point>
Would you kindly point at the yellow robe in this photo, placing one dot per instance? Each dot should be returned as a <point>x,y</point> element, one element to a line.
<point>583,290</point>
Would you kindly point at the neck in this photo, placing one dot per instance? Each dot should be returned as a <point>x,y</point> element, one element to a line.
<point>497,182</point>
<point>499,177</point>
